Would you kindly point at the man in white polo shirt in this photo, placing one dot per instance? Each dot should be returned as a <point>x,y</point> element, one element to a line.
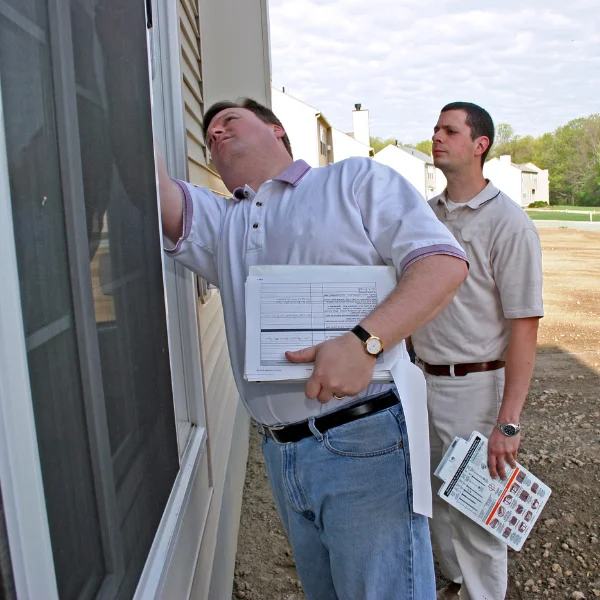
<point>478,355</point>
<point>340,474</point>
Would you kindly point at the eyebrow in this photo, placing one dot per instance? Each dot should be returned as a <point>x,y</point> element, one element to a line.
<point>438,127</point>
<point>226,113</point>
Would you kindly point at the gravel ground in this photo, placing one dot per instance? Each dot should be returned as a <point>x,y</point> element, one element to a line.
<point>561,445</point>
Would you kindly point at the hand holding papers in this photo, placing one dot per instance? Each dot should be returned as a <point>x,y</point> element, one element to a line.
<point>294,307</point>
<point>507,509</point>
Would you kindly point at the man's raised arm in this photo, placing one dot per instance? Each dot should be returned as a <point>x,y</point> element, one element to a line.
<point>171,201</point>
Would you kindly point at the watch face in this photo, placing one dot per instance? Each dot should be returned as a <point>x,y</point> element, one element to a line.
<point>510,430</point>
<point>374,346</point>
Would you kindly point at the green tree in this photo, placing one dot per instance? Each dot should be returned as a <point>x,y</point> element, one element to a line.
<point>378,143</point>
<point>425,146</point>
<point>504,133</point>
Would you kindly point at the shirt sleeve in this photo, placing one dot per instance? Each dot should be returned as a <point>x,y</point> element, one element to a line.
<point>203,214</point>
<point>401,225</point>
<point>517,267</point>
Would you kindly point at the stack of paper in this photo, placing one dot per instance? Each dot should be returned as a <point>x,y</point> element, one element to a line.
<point>295,307</point>
<point>507,509</point>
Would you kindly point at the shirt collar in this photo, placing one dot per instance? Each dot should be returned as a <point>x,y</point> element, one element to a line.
<point>489,192</point>
<point>292,175</point>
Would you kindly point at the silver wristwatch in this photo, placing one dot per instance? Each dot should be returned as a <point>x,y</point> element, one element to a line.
<point>508,429</point>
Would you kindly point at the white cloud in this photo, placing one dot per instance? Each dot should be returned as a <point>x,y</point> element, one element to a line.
<point>535,67</point>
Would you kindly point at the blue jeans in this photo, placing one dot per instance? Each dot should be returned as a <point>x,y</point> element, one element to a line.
<point>345,498</point>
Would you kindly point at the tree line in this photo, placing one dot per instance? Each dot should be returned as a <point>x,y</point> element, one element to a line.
<point>571,154</point>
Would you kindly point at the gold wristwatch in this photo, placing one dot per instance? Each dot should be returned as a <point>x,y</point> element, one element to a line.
<point>372,344</point>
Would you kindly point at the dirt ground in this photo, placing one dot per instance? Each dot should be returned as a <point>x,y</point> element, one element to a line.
<point>561,445</point>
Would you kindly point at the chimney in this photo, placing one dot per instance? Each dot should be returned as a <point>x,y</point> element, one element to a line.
<point>360,124</point>
<point>505,158</point>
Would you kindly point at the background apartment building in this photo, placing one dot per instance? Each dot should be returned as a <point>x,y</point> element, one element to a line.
<point>312,137</point>
<point>414,165</point>
<point>524,183</point>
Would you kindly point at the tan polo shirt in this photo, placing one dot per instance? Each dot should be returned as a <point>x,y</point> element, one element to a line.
<point>504,282</point>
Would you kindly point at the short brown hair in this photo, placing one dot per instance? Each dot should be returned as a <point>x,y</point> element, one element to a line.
<point>262,112</point>
<point>479,121</point>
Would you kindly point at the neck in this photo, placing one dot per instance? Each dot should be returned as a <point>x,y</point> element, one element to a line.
<point>464,185</point>
<point>255,173</point>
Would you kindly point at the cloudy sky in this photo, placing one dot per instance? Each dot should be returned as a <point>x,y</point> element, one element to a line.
<point>534,65</point>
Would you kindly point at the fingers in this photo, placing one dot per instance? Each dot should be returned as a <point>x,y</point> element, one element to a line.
<point>500,466</point>
<point>492,465</point>
<point>325,395</point>
<point>306,355</point>
<point>497,464</point>
<point>313,388</point>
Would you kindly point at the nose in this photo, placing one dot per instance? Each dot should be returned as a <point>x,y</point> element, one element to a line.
<point>213,134</point>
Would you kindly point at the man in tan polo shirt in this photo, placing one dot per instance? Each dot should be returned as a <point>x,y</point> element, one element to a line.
<point>478,355</point>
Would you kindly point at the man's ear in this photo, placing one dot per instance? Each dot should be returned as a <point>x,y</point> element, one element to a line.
<point>482,143</point>
<point>279,131</point>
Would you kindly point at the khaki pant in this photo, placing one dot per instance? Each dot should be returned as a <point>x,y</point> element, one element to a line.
<point>466,552</point>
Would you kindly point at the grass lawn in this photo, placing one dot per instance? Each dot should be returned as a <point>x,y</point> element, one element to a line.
<point>569,207</point>
<point>548,215</point>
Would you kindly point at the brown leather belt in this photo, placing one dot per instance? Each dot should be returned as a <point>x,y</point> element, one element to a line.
<point>298,431</point>
<point>462,369</point>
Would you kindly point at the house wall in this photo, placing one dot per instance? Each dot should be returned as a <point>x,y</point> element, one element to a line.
<point>229,70</point>
<point>543,187</point>
<point>300,123</point>
<point>410,167</point>
<point>325,147</point>
<point>236,54</point>
<point>528,188</point>
<point>440,182</point>
<point>542,192</point>
<point>505,177</point>
<point>345,146</point>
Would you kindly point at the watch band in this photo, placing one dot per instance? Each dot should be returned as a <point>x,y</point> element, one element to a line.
<point>516,427</point>
<point>362,333</point>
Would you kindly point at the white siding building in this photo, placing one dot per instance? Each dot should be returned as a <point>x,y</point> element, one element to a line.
<point>524,183</point>
<point>123,443</point>
<point>417,167</point>
<point>312,137</point>
<point>345,146</point>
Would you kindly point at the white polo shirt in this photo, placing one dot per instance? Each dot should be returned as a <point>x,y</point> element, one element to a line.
<point>355,212</point>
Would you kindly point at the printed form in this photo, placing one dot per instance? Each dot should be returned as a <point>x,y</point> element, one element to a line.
<point>295,307</point>
<point>507,509</point>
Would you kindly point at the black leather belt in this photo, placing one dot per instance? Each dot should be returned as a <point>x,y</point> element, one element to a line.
<point>299,431</point>
<point>463,369</point>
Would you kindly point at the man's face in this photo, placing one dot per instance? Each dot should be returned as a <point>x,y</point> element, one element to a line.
<point>453,147</point>
<point>236,133</point>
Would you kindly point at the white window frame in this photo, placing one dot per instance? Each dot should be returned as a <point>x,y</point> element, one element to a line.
<point>171,564</point>
<point>180,283</point>
<point>20,470</point>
